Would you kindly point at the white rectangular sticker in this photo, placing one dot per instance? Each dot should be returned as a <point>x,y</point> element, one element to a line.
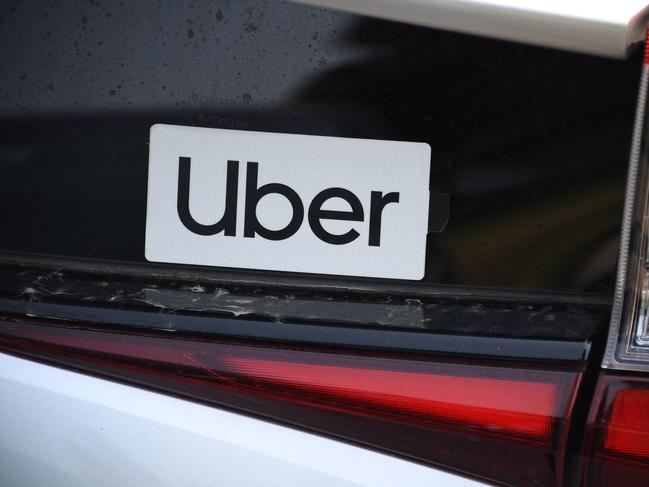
<point>283,202</point>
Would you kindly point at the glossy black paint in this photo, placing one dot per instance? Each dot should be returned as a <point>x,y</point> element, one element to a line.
<point>454,327</point>
<point>531,144</point>
<point>502,349</point>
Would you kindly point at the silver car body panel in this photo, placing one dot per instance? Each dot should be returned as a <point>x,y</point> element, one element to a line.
<point>64,429</point>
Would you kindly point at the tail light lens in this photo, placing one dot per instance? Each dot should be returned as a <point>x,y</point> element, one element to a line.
<point>616,447</point>
<point>505,424</point>
<point>628,340</point>
<point>617,436</point>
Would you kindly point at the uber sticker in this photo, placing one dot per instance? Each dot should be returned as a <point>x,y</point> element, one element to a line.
<point>283,202</point>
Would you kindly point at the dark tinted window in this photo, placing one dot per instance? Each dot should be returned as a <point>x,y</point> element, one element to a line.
<point>531,144</point>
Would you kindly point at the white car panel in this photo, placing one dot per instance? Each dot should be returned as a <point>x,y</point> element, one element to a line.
<point>601,27</point>
<point>64,429</point>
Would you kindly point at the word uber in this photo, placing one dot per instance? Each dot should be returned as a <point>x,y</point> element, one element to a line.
<point>254,193</point>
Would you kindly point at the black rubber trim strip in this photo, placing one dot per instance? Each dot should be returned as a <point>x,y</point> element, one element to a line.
<point>294,280</point>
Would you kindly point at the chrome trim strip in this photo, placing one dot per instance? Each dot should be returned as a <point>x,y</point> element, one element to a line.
<point>604,27</point>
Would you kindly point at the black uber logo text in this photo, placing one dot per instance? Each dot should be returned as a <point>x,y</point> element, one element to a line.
<point>252,227</point>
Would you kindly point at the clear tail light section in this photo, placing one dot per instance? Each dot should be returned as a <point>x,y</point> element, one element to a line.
<point>616,451</point>
<point>628,340</point>
<point>500,422</point>
<point>617,435</point>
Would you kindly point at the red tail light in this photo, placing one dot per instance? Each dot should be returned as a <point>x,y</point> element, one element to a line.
<point>501,403</point>
<point>617,440</point>
<point>501,423</point>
